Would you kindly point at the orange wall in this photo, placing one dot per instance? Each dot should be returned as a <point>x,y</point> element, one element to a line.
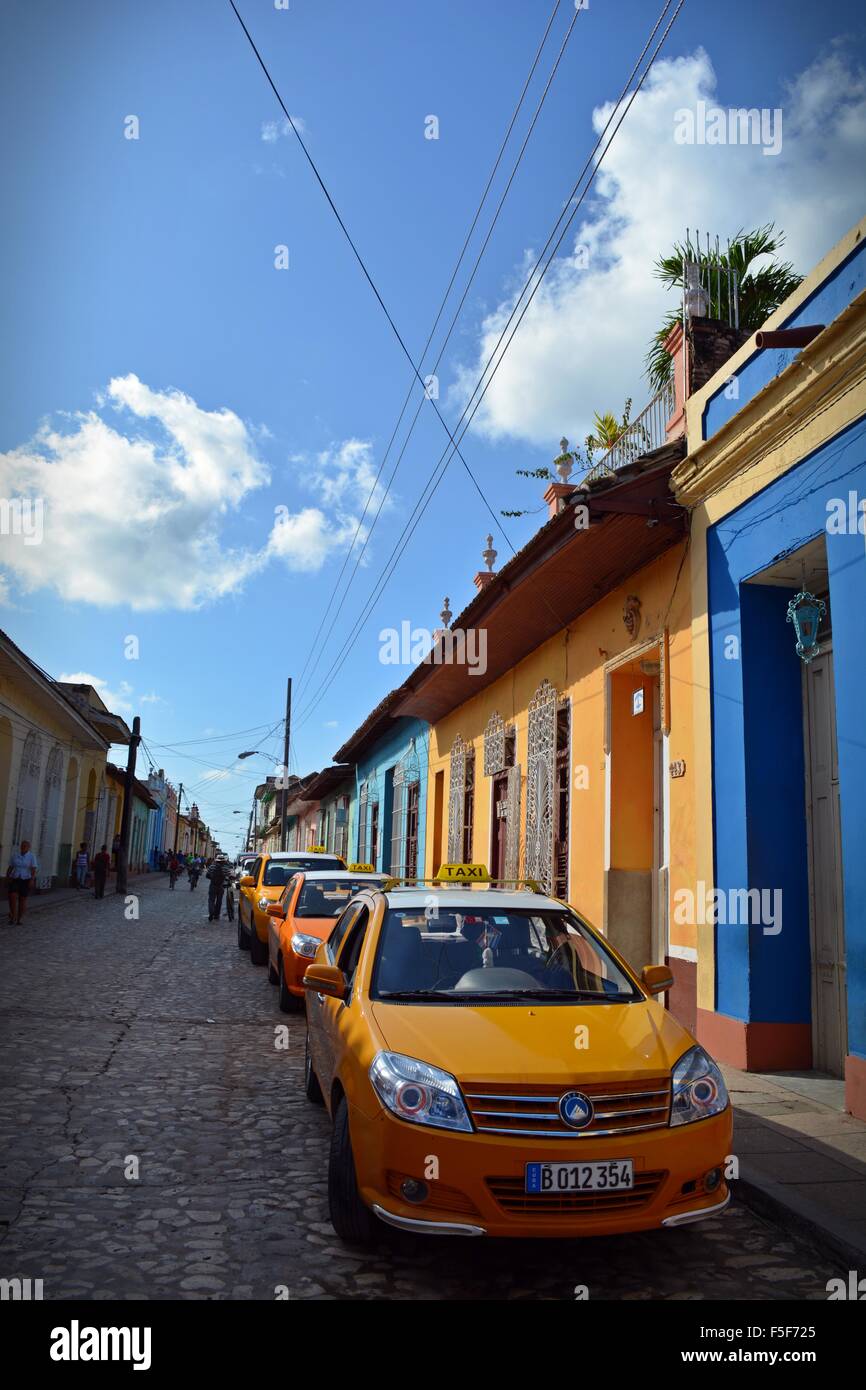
<point>576,661</point>
<point>631,822</point>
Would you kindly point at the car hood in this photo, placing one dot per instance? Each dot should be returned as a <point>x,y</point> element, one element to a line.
<point>313,926</point>
<point>530,1043</point>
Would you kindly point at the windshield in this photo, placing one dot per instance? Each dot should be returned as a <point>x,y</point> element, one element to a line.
<point>279,871</point>
<point>328,899</point>
<point>492,954</point>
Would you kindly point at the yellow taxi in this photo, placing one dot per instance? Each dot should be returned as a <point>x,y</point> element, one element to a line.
<point>493,1067</point>
<point>263,884</point>
<point>302,919</point>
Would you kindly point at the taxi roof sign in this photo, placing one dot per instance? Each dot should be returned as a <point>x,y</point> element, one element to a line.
<point>362,868</point>
<point>463,873</point>
<point>317,849</point>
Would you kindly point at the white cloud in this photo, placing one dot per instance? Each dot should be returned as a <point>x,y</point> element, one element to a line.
<point>136,516</point>
<point>118,700</point>
<point>131,517</point>
<point>581,345</point>
<point>152,699</point>
<point>343,477</point>
<point>274,130</point>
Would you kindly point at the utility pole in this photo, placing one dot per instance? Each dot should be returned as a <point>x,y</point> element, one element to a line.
<point>126,815</point>
<point>249,844</point>
<point>177,817</point>
<point>284,820</point>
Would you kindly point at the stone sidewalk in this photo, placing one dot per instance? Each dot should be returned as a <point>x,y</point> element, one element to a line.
<point>802,1159</point>
<point>38,902</point>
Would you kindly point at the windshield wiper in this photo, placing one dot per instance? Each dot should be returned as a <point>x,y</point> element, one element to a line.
<point>497,995</point>
<point>418,994</point>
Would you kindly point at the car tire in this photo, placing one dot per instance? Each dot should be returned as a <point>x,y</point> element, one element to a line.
<point>243,939</point>
<point>353,1222</point>
<point>273,975</point>
<point>258,951</point>
<point>312,1089</point>
<point>288,1002</point>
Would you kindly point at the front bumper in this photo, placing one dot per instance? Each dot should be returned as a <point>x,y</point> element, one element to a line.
<point>478,1187</point>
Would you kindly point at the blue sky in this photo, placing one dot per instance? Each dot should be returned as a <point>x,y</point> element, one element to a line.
<point>175,397</point>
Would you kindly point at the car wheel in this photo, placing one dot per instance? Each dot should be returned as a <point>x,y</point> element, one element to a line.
<point>288,1002</point>
<point>258,951</point>
<point>312,1089</point>
<point>273,975</point>
<point>353,1222</point>
<point>243,939</point>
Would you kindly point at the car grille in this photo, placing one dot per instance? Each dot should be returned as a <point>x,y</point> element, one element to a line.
<point>510,1195</point>
<point>619,1108</point>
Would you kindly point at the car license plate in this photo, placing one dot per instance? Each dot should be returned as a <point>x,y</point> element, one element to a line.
<point>615,1174</point>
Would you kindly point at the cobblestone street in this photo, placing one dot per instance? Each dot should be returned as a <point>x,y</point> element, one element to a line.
<point>155,1039</point>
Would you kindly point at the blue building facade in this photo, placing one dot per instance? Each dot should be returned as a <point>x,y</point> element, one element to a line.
<point>388,820</point>
<point>788,747</point>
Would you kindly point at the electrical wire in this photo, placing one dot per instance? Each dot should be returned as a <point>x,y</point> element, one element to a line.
<point>317,645</point>
<point>534,279</point>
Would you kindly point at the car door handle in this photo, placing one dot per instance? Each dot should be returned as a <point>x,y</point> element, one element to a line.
<point>321,998</point>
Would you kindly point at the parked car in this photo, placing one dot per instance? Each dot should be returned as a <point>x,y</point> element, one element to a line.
<point>302,919</point>
<point>492,1066</point>
<point>262,885</point>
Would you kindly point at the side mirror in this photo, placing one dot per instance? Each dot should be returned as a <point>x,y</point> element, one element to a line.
<point>275,910</point>
<point>325,979</point>
<point>656,979</point>
<point>247,881</point>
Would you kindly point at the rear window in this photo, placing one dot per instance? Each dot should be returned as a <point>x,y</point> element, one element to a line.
<point>329,899</point>
<point>279,871</point>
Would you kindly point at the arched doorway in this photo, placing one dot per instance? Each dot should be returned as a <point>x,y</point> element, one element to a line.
<point>46,847</point>
<point>67,829</point>
<point>90,809</point>
<point>5,776</point>
<point>28,789</point>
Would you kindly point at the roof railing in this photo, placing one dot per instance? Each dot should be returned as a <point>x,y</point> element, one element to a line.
<point>645,433</point>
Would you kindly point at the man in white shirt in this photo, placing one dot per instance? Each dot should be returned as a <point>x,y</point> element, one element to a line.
<point>21,877</point>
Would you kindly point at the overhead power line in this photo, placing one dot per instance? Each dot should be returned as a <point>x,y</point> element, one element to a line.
<point>532,283</point>
<point>319,645</point>
<point>368,277</point>
<point>316,645</point>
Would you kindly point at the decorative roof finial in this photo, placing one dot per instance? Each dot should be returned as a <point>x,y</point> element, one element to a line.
<point>489,555</point>
<point>563,464</point>
<point>446,615</point>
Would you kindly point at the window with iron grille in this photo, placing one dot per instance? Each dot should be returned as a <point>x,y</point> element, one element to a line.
<point>468,806</point>
<point>341,827</point>
<point>563,786</point>
<point>411,843</point>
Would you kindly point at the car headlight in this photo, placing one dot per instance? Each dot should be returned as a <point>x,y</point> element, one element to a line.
<point>417,1092</point>
<point>698,1088</point>
<point>306,946</point>
<point>263,904</point>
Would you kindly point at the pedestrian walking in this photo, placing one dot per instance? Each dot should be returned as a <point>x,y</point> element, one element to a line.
<point>20,878</point>
<point>173,871</point>
<point>218,876</point>
<point>101,866</point>
<point>82,864</point>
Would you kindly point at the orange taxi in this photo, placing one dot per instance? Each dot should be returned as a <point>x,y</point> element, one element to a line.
<point>263,884</point>
<point>492,1066</point>
<point>310,904</point>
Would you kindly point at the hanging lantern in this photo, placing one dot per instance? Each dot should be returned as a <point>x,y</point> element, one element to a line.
<point>805,611</point>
